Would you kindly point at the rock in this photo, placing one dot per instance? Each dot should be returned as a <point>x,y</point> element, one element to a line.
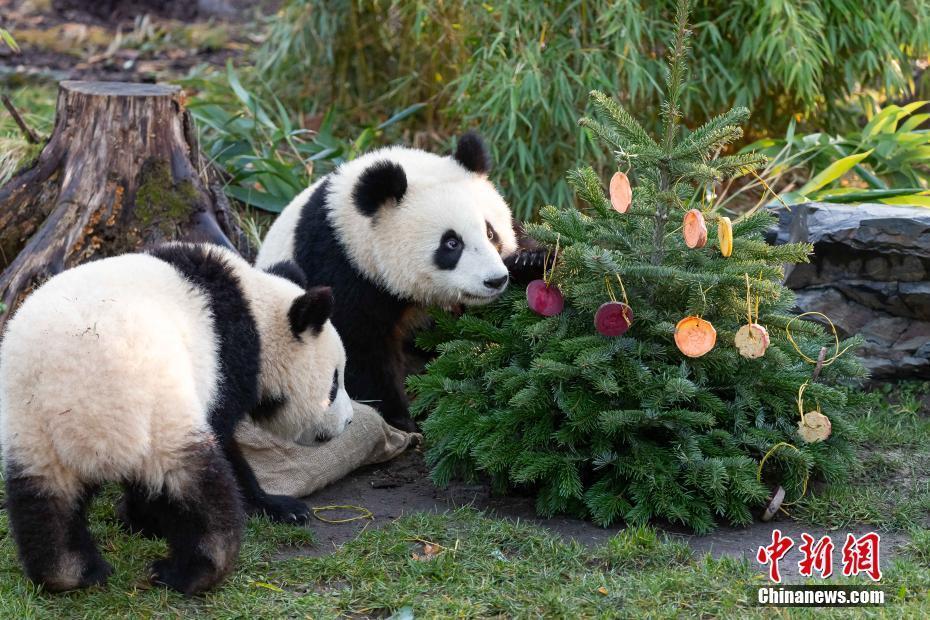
<point>870,273</point>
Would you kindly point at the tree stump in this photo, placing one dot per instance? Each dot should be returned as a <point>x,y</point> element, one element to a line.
<point>121,171</point>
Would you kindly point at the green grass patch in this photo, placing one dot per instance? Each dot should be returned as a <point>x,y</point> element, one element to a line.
<point>475,567</point>
<point>890,489</point>
<point>35,102</point>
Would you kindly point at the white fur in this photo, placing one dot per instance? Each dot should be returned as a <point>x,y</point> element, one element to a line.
<point>300,369</point>
<point>108,371</point>
<point>395,247</point>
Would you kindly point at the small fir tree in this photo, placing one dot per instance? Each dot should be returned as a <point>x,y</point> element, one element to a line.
<point>629,427</point>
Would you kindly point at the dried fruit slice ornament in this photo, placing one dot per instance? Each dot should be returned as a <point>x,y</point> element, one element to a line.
<point>751,339</point>
<point>814,426</point>
<point>621,194</point>
<point>614,317</point>
<point>725,235</point>
<point>694,336</point>
<point>694,229</point>
<point>542,296</point>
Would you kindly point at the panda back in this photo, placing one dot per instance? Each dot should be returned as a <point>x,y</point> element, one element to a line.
<point>106,367</point>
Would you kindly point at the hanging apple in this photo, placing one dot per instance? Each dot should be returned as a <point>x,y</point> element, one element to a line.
<point>621,194</point>
<point>613,318</point>
<point>695,230</point>
<point>544,299</point>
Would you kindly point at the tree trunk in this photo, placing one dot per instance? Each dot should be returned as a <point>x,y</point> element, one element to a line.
<point>121,171</point>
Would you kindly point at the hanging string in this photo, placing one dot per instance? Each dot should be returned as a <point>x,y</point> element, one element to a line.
<point>610,289</point>
<point>773,450</point>
<point>836,339</point>
<point>748,302</point>
<point>801,401</point>
<point>547,278</point>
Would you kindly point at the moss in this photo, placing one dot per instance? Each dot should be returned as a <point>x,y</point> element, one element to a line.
<point>160,201</point>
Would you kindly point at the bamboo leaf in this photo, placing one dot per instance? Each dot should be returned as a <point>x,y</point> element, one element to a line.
<point>833,172</point>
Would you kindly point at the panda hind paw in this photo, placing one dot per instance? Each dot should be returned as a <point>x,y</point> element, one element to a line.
<point>284,509</point>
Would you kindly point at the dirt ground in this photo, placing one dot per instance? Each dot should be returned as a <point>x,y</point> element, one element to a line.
<point>402,486</point>
<point>132,40</point>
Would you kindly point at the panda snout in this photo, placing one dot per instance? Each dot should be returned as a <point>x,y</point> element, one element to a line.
<point>496,283</point>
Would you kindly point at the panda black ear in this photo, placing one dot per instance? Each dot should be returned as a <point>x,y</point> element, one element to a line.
<point>472,153</point>
<point>311,310</point>
<point>382,181</point>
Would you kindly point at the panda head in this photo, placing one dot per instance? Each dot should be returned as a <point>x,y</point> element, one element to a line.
<point>302,378</point>
<point>428,228</point>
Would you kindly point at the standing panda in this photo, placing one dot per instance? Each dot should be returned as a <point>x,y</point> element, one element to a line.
<point>137,369</point>
<point>391,232</point>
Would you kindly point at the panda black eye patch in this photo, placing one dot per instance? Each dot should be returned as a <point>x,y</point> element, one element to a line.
<point>449,251</point>
<point>335,389</point>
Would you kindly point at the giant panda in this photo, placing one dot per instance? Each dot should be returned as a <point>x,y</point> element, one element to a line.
<point>392,232</point>
<point>136,369</point>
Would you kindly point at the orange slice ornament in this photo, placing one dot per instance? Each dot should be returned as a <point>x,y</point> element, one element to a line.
<point>725,235</point>
<point>694,336</point>
<point>621,194</point>
<point>695,230</point>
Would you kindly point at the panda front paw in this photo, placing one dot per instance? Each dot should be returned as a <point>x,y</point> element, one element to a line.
<point>283,509</point>
<point>189,576</point>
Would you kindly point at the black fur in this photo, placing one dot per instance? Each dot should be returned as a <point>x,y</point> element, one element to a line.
<point>268,407</point>
<point>289,270</point>
<point>208,517</point>
<point>365,314</point>
<point>48,529</point>
<point>335,387</point>
<point>382,181</point>
<point>311,310</point>
<point>239,356</point>
<point>446,257</point>
<point>472,153</point>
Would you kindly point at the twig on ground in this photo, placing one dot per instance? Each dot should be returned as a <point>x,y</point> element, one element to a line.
<point>31,136</point>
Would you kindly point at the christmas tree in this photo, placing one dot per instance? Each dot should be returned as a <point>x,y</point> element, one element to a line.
<point>657,420</point>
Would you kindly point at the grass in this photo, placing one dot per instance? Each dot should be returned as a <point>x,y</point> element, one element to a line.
<point>468,564</point>
<point>891,489</point>
<point>480,567</point>
<point>35,102</point>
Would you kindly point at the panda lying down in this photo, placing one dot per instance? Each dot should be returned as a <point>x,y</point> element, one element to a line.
<point>137,369</point>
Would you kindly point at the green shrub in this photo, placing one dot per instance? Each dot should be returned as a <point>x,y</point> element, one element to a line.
<point>268,156</point>
<point>888,160</point>
<point>514,69</point>
<point>628,427</point>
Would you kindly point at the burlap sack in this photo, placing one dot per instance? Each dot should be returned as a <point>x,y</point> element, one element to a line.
<point>299,469</point>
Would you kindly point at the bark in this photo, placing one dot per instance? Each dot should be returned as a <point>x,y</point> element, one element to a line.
<point>121,171</point>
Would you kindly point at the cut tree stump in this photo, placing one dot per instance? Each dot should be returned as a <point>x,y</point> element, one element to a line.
<point>121,171</point>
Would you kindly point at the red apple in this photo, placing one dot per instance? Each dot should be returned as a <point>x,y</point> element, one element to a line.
<point>613,318</point>
<point>544,299</point>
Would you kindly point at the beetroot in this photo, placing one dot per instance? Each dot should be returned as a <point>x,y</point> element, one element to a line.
<point>613,318</point>
<point>544,299</point>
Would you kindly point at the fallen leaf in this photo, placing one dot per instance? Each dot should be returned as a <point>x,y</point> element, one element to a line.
<point>267,586</point>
